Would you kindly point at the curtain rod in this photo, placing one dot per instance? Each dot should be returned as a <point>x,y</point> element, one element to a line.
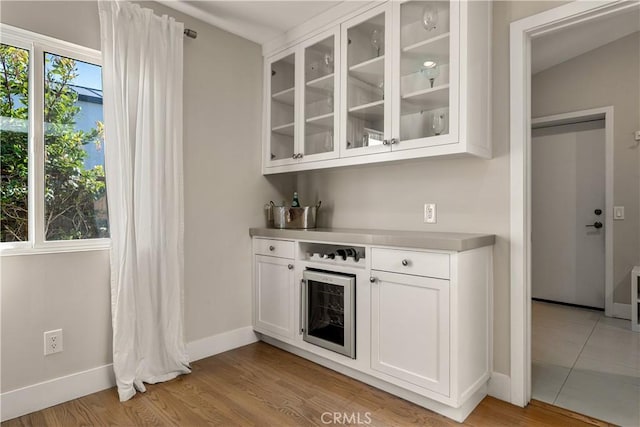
<point>190,33</point>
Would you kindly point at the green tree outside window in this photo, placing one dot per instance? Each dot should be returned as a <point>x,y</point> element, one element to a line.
<point>75,196</point>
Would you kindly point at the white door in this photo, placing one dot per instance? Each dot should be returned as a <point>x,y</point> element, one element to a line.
<point>410,329</point>
<point>274,296</point>
<point>568,187</point>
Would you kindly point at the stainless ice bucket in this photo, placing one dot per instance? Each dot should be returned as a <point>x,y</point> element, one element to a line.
<point>288,217</point>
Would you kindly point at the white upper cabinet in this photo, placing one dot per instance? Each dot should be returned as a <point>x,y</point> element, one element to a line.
<point>426,54</point>
<point>366,79</point>
<point>280,139</point>
<point>393,81</point>
<point>320,102</point>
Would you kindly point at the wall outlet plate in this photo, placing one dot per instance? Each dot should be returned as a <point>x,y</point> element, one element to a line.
<point>53,342</point>
<point>430,213</point>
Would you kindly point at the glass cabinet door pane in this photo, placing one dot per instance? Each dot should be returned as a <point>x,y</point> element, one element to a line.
<point>282,108</point>
<point>424,69</point>
<point>365,83</point>
<point>319,79</point>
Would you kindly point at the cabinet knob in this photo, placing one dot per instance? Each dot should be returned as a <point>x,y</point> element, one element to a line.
<point>295,156</point>
<point>394,141</point>
<point>372,279</point>
<point>405,262</point>
<point>385,142</point>
<point>290,266</point>
<point>272,248</point>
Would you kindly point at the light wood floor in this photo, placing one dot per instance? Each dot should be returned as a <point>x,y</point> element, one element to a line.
<point>264,386</point>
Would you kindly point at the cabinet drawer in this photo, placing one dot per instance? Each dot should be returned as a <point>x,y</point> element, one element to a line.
<point>279,248</point>
<point>427,264</point>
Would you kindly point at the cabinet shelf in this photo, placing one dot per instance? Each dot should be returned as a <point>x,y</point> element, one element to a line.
<point>286,129</point>
<point>370,71</point>
<point>286,96</point>
<point>435,48</point>
<point>427,99</point>
<point>319,89</point>
<point>319,124</point>
<point>323,83</point>
<point>370,112</point>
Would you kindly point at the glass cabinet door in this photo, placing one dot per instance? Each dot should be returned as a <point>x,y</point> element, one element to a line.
<point>366,83</point>
<point>427,96</point>
<point>281,108</point>
<point>320,93</point>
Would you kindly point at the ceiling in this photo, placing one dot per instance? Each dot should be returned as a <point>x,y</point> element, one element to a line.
<point>561,45</point>
<point>258,21</point>
<point>262,21</point>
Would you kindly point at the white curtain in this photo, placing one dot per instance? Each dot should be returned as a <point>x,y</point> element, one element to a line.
<point>142,82</point>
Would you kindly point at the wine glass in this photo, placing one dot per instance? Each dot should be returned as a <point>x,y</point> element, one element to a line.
<point>377,40</point>
<point>330,102</point>
<point>430,17</point>
<point>328,141</point>
<point>438,122</point>
<point>328,62</point>
<point>431,71</point>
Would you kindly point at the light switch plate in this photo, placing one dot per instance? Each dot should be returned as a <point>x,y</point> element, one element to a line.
<point>618,212</point>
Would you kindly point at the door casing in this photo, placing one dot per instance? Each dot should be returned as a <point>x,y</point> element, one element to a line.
<point>521,33</point>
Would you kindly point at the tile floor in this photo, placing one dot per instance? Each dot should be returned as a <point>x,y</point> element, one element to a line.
<point>586,362</point>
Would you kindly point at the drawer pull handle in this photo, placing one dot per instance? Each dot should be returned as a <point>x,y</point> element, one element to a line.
<point>290,266</point>
<point>405,262</point>
<point>272,248</point>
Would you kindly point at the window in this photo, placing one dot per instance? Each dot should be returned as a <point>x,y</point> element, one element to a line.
<point>51,144</point>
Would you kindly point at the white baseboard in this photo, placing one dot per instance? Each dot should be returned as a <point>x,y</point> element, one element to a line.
<point>220,343</point>
<point>622,311</point>
<point>500,386</point>
<point>16,403</point>
<point>32,398</point>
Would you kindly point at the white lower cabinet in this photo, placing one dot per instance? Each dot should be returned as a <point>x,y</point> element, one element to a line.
<point>273,306</point>
<point>423,328</point>
<point>410,329</point>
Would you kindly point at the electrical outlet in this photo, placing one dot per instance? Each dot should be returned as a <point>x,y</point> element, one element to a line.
<point>52,342</point>
<point>430,213</point>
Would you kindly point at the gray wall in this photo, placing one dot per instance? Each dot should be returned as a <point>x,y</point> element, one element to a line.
<point>609,75</point>
<point>224,195</point>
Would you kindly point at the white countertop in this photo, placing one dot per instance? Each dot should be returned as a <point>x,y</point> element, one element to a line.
<point>401,238</point>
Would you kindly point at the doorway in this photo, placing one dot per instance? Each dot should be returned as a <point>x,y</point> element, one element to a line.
<point>522,32</point>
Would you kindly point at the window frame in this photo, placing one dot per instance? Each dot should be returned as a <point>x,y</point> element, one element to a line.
<point>37,44</point>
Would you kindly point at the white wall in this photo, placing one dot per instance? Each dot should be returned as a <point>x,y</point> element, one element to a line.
<point>224,195</point>
<point>609,75</point>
